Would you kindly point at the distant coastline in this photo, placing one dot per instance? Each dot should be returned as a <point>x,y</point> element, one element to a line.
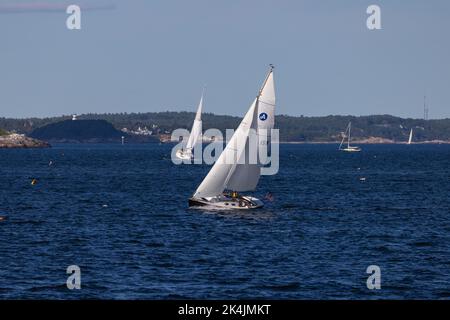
<point>158,126</point>
<point>372,140</point>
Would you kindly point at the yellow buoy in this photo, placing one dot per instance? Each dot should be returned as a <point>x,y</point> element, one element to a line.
<point>33,182</point>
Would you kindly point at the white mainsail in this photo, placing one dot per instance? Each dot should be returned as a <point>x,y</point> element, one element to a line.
<point>196,130</point>
<point>410,136</point>
<point>233,169</point>
<point>266,109</point>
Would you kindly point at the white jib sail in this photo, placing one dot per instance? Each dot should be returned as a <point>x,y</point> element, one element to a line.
<point>345,136</point>
<point>216,180</point>
<point>196,130</point>
<point>235,170</point>
<point>245,174</point>
<point>410,136</point>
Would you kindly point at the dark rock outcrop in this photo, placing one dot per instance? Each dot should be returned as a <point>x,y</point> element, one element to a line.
<point>85,131</point>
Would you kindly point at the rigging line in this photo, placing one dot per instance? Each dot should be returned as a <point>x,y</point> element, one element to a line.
<point>268,103</point>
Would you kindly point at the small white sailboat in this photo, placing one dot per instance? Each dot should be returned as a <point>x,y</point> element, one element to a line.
<point>195,135</point>
<point>347,135</point>
<point>410,136</point>
<point>232,172</point>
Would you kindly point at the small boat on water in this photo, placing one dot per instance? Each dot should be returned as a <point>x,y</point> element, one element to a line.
<point>195,135</point>
<point>348,148</point>
<point>233,172</point>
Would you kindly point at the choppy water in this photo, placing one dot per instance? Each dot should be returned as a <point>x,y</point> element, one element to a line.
<point>120,213</point>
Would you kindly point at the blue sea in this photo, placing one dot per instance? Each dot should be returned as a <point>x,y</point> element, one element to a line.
<point>120,213</point>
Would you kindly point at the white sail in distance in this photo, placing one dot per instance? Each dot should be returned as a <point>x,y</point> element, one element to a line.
<point>410,136</point>
<point>233,170</point>
<point>196,130</point>
<point>349,129</point>
<point>346,136</point>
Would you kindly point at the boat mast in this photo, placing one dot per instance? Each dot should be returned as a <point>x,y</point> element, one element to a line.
<point>349,128</point>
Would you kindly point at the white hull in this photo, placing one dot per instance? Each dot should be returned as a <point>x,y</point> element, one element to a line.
<point>226,202</point>
<point>351,149</point>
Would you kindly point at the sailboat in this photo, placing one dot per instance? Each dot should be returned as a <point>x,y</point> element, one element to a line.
<point>348,148</point>
<point>195,135</point>
<point>410,136</point>
<point>230,174</point>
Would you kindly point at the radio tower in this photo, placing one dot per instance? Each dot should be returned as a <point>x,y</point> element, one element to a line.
<point>425,108</point>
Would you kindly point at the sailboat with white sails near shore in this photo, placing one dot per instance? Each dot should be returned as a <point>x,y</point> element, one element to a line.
<point>349,148</point>
<point>195,135</point>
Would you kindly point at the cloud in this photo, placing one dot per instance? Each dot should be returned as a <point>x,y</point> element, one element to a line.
<point>36,7</point>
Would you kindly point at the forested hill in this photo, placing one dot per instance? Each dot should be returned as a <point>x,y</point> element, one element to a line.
<point>302,129</point>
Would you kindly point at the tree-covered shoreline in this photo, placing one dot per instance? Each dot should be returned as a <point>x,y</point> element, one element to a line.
<point>292,129</point>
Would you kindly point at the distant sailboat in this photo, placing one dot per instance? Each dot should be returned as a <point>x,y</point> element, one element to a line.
<point>410,136</point>
<point>230,172</point>
<point>348,148</point>
<point>196,132</point>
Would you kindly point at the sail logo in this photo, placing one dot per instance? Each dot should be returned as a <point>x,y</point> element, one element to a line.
<point>263,116</point>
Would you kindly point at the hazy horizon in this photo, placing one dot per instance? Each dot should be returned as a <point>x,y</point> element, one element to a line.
<point>143,56</point>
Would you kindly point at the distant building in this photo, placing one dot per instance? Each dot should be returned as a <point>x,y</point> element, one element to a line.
<point>74,117</point>
<point>139,131</point>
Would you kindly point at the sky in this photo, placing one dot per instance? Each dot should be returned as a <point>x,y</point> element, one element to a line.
<point>155,55</point>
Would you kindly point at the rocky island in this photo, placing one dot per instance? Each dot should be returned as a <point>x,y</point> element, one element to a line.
<point>14,140</point>
<point>86,131</point>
